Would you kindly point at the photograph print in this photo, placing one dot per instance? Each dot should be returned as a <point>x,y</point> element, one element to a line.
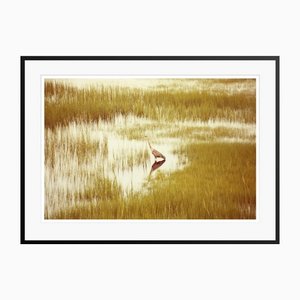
<point>149,148</point>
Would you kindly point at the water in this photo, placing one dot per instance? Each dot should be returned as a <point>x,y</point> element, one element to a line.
<point>133,178</point>
<point>83,152</point>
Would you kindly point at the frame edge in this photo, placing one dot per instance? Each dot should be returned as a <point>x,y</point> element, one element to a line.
<point>277,151</point>
<point>22,149</point>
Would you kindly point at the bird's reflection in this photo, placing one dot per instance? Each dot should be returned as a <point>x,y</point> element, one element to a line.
<point>156,165</point>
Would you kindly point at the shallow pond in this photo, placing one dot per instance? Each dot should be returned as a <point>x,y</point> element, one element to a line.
<point>82,152</point>
<point>133,177</point>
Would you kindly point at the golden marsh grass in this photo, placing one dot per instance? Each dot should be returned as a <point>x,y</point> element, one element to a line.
<point>98,164</point>
<point>65,103</point>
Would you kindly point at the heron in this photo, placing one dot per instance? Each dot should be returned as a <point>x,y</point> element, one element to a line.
<point>156,153</point>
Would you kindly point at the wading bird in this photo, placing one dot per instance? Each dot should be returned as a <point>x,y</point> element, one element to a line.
<point>156,153</point>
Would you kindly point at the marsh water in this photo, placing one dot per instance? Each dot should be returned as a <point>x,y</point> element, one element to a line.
<point>118,150</point>
<point>109,154</point>
<point>130,161</point>
<point>134,177</point>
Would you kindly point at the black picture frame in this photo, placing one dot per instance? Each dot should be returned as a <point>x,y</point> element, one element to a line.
<point>23,59</point>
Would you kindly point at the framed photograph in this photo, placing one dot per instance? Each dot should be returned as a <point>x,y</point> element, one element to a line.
<point>150,149</point>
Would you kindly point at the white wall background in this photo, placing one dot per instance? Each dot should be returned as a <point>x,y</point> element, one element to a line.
<point>149,28</point>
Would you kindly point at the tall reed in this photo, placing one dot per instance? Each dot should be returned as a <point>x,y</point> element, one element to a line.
<point>65,103</point>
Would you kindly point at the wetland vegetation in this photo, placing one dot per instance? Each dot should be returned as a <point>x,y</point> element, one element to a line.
<point>98,164</point>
